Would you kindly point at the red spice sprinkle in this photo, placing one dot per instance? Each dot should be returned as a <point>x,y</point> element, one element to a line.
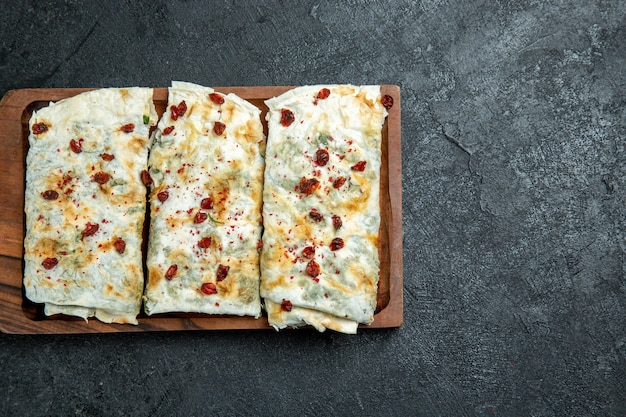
<point>168,130</point>
<point>127,128</point>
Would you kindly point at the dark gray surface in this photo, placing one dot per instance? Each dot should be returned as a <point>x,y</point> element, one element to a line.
<point>514,129</point>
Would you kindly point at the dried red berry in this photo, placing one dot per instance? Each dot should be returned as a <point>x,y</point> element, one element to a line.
<point>50,263</point>
<point>323,94</point>
<point>171,272</point>
<point>39,128</point>
<point>178,111</point>
<point>219,128</point>
<point>387,101</point>
<point>286,117</point>
<point>119,245</point>
<point>50,195</point>
<point>308,186</point>
<point>90,229</point>
<point>321,157</point>
<point>163,196</point>
<point>286,305</point>
<point>337,223</point>
<point>146,178</point>
<point>208,288</point>
<point>312,269</point>
<point>76,145</point>
<point>308,252</point>
<point>216,98</point>
<point>200,217</point>
<point>336,244</point>
<point>205,243</point>
<point>222,272</point>
<point>315,215</point>
<point>207,203</point>
<point>338,182</point>
<point>359,166</point>
<point>101,177</point>
<point>127,128</point>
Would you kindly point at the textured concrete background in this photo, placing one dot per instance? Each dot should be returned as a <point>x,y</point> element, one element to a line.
<point>514,129</point>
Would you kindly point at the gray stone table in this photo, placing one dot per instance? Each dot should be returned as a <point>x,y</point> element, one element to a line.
<point>514,177</point>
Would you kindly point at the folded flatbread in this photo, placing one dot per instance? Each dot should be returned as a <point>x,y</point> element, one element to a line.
<point>319,263</point>
<point>85,204</point>
<point>206,164</point>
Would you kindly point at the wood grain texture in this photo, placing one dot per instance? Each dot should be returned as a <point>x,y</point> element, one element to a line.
<point>19,315</point>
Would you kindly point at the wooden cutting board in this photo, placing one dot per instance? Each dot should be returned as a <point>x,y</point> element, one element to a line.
<point>19,315</point>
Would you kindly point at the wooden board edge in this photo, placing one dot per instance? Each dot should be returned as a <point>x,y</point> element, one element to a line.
<point>393,314</point>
